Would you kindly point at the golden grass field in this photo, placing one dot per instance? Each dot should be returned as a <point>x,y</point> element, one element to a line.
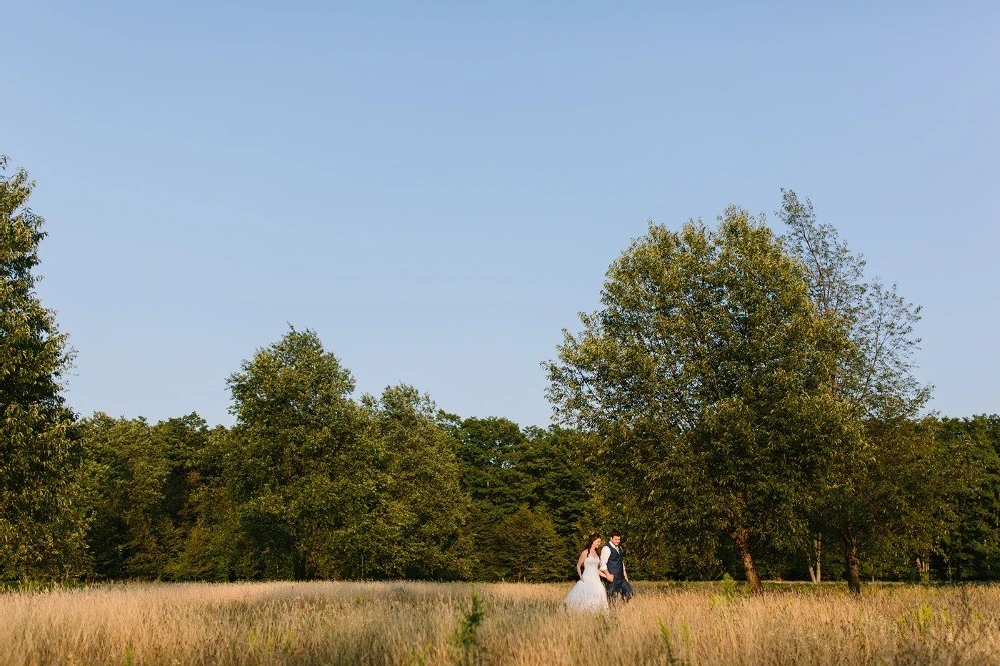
<point>521,624</point>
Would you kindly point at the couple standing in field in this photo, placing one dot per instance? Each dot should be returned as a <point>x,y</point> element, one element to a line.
<point>602,575</point>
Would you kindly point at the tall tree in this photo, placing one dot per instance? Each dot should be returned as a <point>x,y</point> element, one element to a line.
<point>706,375</point>
<point>42,523</point>
<point>557,462</point>
<point>526,547</point>
<point>142,482</point>
<point>310,490</point>
<point>521,480</point>
<point>184,442</point>
<point>214,548</point>
<point>874,378</point>
<point>969,455</point>
<point>878,377</point>
<point>429,509</point>
<point>126,473</point>
<point>884,494</point>
<point>490,451</point>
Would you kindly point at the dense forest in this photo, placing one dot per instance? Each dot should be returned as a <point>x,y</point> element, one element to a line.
<point>742,402</point>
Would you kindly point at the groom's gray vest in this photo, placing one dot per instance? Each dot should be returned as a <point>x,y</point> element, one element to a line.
<point>616,567</point>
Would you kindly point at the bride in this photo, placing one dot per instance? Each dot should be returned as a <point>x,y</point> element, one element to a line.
<point>589,594</point>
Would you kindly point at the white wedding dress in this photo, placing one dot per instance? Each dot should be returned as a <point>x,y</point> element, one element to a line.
<point>589,593</point>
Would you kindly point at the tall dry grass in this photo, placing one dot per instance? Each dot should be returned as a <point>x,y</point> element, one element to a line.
<point>426,623</point>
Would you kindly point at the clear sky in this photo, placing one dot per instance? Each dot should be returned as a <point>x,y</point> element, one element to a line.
<point>438,188</point>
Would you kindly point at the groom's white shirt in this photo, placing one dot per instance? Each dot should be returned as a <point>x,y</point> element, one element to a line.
<point>605,555</point>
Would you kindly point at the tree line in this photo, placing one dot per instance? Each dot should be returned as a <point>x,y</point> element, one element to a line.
<point>741,402</point>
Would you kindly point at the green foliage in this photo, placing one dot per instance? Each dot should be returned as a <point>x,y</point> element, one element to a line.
<point>876,372</point>
<point>525,546</point>
<point>308,487</point>
<point>490,451</point>
<point>428,507</point>
<point>558,465</point>
<point>705,375</point>
<point>874,382</point>
<point>311,484</point>
<point>668,643</point>
<point>144,487</point>
<point>727,586</point>
<point>183,442</point>
<point>525,481</point>
<point>968,544</point>
<point>466,637</point>
<point>42,522</point>
<point>125,474</point>
<point>736,397</point>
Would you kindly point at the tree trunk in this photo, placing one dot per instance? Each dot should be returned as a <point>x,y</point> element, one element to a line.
<point>743,545</point>
<point>853,573</point>
<point>924,568</point>
<point>815,556</point>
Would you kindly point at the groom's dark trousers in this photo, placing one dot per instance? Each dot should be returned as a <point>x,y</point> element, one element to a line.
<point>619,587</point>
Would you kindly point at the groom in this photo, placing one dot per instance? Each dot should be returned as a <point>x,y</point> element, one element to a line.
<point>613,562</point>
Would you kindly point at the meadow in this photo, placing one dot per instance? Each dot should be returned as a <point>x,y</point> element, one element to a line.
<point>511,624</point>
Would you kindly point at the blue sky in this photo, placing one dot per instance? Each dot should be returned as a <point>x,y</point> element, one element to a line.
<point>438,188</point>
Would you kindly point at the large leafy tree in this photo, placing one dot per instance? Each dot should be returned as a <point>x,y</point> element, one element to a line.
<point>429,509</point>
<point>125,474</point>
<point>969,457</point>
<point>143,483</point>
<point>309,488</point>
<point>490,451</point>
<point>184,443</point>
<point>557,462</point>
<point>885,495</point>
<point>878,376</point>
<point>42,524</point>
<point>874,378</point>
<point>527,547</point>
<point>706,375</point>
<point>213,546</point>
<point>519,481</point>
